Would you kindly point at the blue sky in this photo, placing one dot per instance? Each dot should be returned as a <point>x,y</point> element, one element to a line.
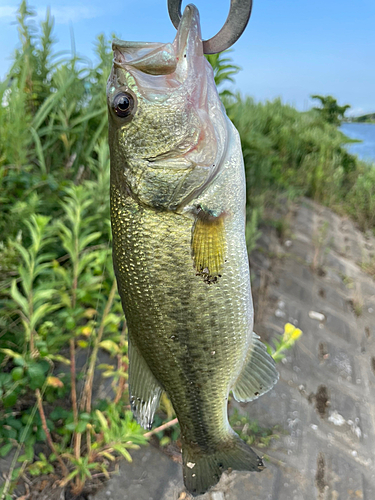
<point>290,49</point>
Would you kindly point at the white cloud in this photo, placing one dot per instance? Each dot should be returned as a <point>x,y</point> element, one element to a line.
<point>62,15</point>
<point>7,11</point>
<point>356,111</point>
<point>66,14</point>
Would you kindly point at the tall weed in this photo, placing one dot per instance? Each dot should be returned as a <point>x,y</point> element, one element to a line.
<point>53,302</point>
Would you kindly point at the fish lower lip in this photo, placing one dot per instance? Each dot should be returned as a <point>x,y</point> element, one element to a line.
<point>186,28</point>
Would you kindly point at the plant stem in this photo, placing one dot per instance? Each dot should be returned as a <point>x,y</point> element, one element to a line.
<point>48,434</point>
<point>121,385</point>
<point>87,391</point>
<point>76,436</point>
<point>171,423</point>
<point>76,439</point>
<point>121,365</point>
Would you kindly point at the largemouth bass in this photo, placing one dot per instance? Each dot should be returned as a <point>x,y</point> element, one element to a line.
<point>179,251</point>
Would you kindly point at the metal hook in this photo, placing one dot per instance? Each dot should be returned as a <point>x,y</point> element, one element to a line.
<point>234,26</point>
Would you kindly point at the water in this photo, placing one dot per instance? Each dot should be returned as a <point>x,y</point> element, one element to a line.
<point>365,132</point>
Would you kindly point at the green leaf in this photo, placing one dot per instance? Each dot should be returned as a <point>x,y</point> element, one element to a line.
<point>16,473</point>
<point>81,427</point>
<point>69,477</point>
<point>87,117</point>
<point>37,376</point>
<point>59,413</point>
<point>82,343</point>
<point>29,452</point>
<point>12,354</point>
<point>4,450</point>
<point>43,295</point>
<point>58,357</point>
<point>51,102</point>
<point>70,426</point>
<point>85,416</point>
<point>42,267</point>
<point>19,361</point>
<point>102,419</point>
<point>124,452</point>
<point>13,422</point>
<point>26,280</point>
<point>84,242</point>
<point>17,373</point>
<point>85,260</point>
<point>10,400</point>
<point>41,312</point>
<point>24,253</point>
<point>45,257</point>
<point>164,441</point>
<point>98,131</point>
<point>110,346</point>
<point>19,298</point>
<point>39,150</point>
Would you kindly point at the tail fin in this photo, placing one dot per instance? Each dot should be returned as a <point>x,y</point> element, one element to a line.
<point>203,470</point>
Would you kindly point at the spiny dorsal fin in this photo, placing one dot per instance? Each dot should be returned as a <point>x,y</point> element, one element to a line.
<point>144,389</point>
<point>208,242</point>
<point>258,375</point>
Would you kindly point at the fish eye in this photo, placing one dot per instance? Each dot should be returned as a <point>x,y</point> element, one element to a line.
<point>123,104</point>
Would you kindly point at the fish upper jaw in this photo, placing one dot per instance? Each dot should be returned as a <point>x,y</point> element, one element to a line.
<point>150,58</point>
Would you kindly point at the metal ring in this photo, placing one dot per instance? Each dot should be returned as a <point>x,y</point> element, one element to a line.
<point>234,26</point>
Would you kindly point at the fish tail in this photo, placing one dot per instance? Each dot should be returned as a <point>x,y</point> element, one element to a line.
<point>201,471</point>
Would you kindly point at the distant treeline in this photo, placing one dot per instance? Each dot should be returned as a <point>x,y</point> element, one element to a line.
<point>370,118</point>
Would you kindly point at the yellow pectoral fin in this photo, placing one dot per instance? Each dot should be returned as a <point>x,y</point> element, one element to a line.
<point>208,243</point>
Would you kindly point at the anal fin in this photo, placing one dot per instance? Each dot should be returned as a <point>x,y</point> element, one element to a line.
<point>144,389</point>
<point>258,375</point>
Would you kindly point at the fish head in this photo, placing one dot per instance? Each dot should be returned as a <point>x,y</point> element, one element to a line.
<point>160,101</point>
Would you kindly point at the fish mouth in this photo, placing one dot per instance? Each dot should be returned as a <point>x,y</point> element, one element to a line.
<point>163,59</point>
<point>149,58</point>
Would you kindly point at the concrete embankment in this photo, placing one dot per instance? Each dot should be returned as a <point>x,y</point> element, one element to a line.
<point>307,270</point>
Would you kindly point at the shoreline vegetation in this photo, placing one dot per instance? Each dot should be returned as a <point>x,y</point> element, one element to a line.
<point>369,118</point>
<point>61,314</point>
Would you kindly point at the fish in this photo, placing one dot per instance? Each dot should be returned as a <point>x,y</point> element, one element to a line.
<point>177,192</point>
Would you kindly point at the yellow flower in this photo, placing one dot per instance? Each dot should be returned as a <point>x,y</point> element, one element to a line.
<point>291,333</point>
<point>54,382</point>
<point>86,331</point>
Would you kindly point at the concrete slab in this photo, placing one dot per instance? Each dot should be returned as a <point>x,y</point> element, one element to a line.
<point>324,403</point>
<point>151,476</point>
